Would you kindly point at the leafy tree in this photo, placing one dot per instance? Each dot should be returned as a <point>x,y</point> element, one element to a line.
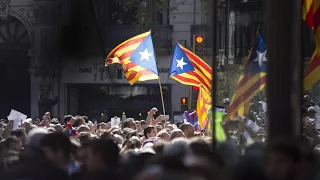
<point>227,85</point>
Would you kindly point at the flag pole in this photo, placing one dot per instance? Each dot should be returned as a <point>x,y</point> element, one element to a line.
<point>164,110</point>
<point>161,94</point>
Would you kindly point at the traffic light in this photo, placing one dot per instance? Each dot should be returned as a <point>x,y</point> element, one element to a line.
<point>198,44</point>
<point>195,88</point>
<point>184,104</point>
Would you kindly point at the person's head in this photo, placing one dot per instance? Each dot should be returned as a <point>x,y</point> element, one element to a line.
<point>118,139</point>
<point>129,123</point>
<point>170,127</point>
<point>58,128</point>
<point>138,124</point>
<point>188,129</point>
<point>67,119</point>
<point>57,148</point>
<point>20,134</point>
<point>107,135</point>
<point>78,121</point>
<point>11,143</point>
<point>105,126</point>
<point>149,132</point>
<point>163,134</point>
<point>136,141</point>
<point>166,124</point>
<point>159,146</point>
<point>158,127</point>
<point>311,112</point>
<point>34,137</point>
<point>116,131</point>
<point>226,103</point>
<point>306,100</point>
<point>282,159</point>
<point>177,133</point>
<point>83,128</point>
<point>99,154</point>
<point>84,136</point>
<point>143,124</point>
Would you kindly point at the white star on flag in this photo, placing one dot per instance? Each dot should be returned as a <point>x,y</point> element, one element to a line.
<point>145,55</point>
<point>181,63</point>
<point>261,57</point>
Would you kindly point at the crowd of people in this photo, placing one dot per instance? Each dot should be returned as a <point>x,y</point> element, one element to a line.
<point>76,148</point>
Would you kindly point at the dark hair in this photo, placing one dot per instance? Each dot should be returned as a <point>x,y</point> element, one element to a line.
<point>78,122</point>
<point>127,122</point>
<point>290,148</point>
<point>143,122</point>
<point>17,132</point>
<point>106,135</point>
<point>148,130</point>
<point>5,143</point>
<point>84,136</point>
<point>106,149</point>
<point>185,126</point>
<point>67,118</point>
<point>57,141</point>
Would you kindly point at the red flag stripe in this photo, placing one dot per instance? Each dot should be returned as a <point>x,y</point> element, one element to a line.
<point>244,80</point>
<point>198,61</point>
<point>245,95</point>
<point>201,81</point>
<point>184,79</point>
<point>132,75</point>
<point>126,54</point>
<point>309,17</point>
<point>316,19</point>
<point>133,41</point>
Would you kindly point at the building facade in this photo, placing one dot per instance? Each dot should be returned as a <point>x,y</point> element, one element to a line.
<point>57,64</point>
<point>52,53</point>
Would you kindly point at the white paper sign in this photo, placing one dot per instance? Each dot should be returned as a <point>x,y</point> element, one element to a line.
<point>17,117</point>
<point>317,117</point>
<point>115,121</point>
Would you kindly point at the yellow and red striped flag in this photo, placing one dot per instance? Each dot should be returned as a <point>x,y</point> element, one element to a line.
<point>252,80</point>
<point>312,19</point>
<point>137,58</point>
<point>204,106</point>
<point>307,12</point>
<point>189,69</point>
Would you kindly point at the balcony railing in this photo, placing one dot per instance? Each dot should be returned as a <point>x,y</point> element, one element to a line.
<point>116,34</point>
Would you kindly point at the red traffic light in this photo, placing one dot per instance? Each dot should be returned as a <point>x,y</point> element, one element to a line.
<point>195,88</point>
<point>184,100</point>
